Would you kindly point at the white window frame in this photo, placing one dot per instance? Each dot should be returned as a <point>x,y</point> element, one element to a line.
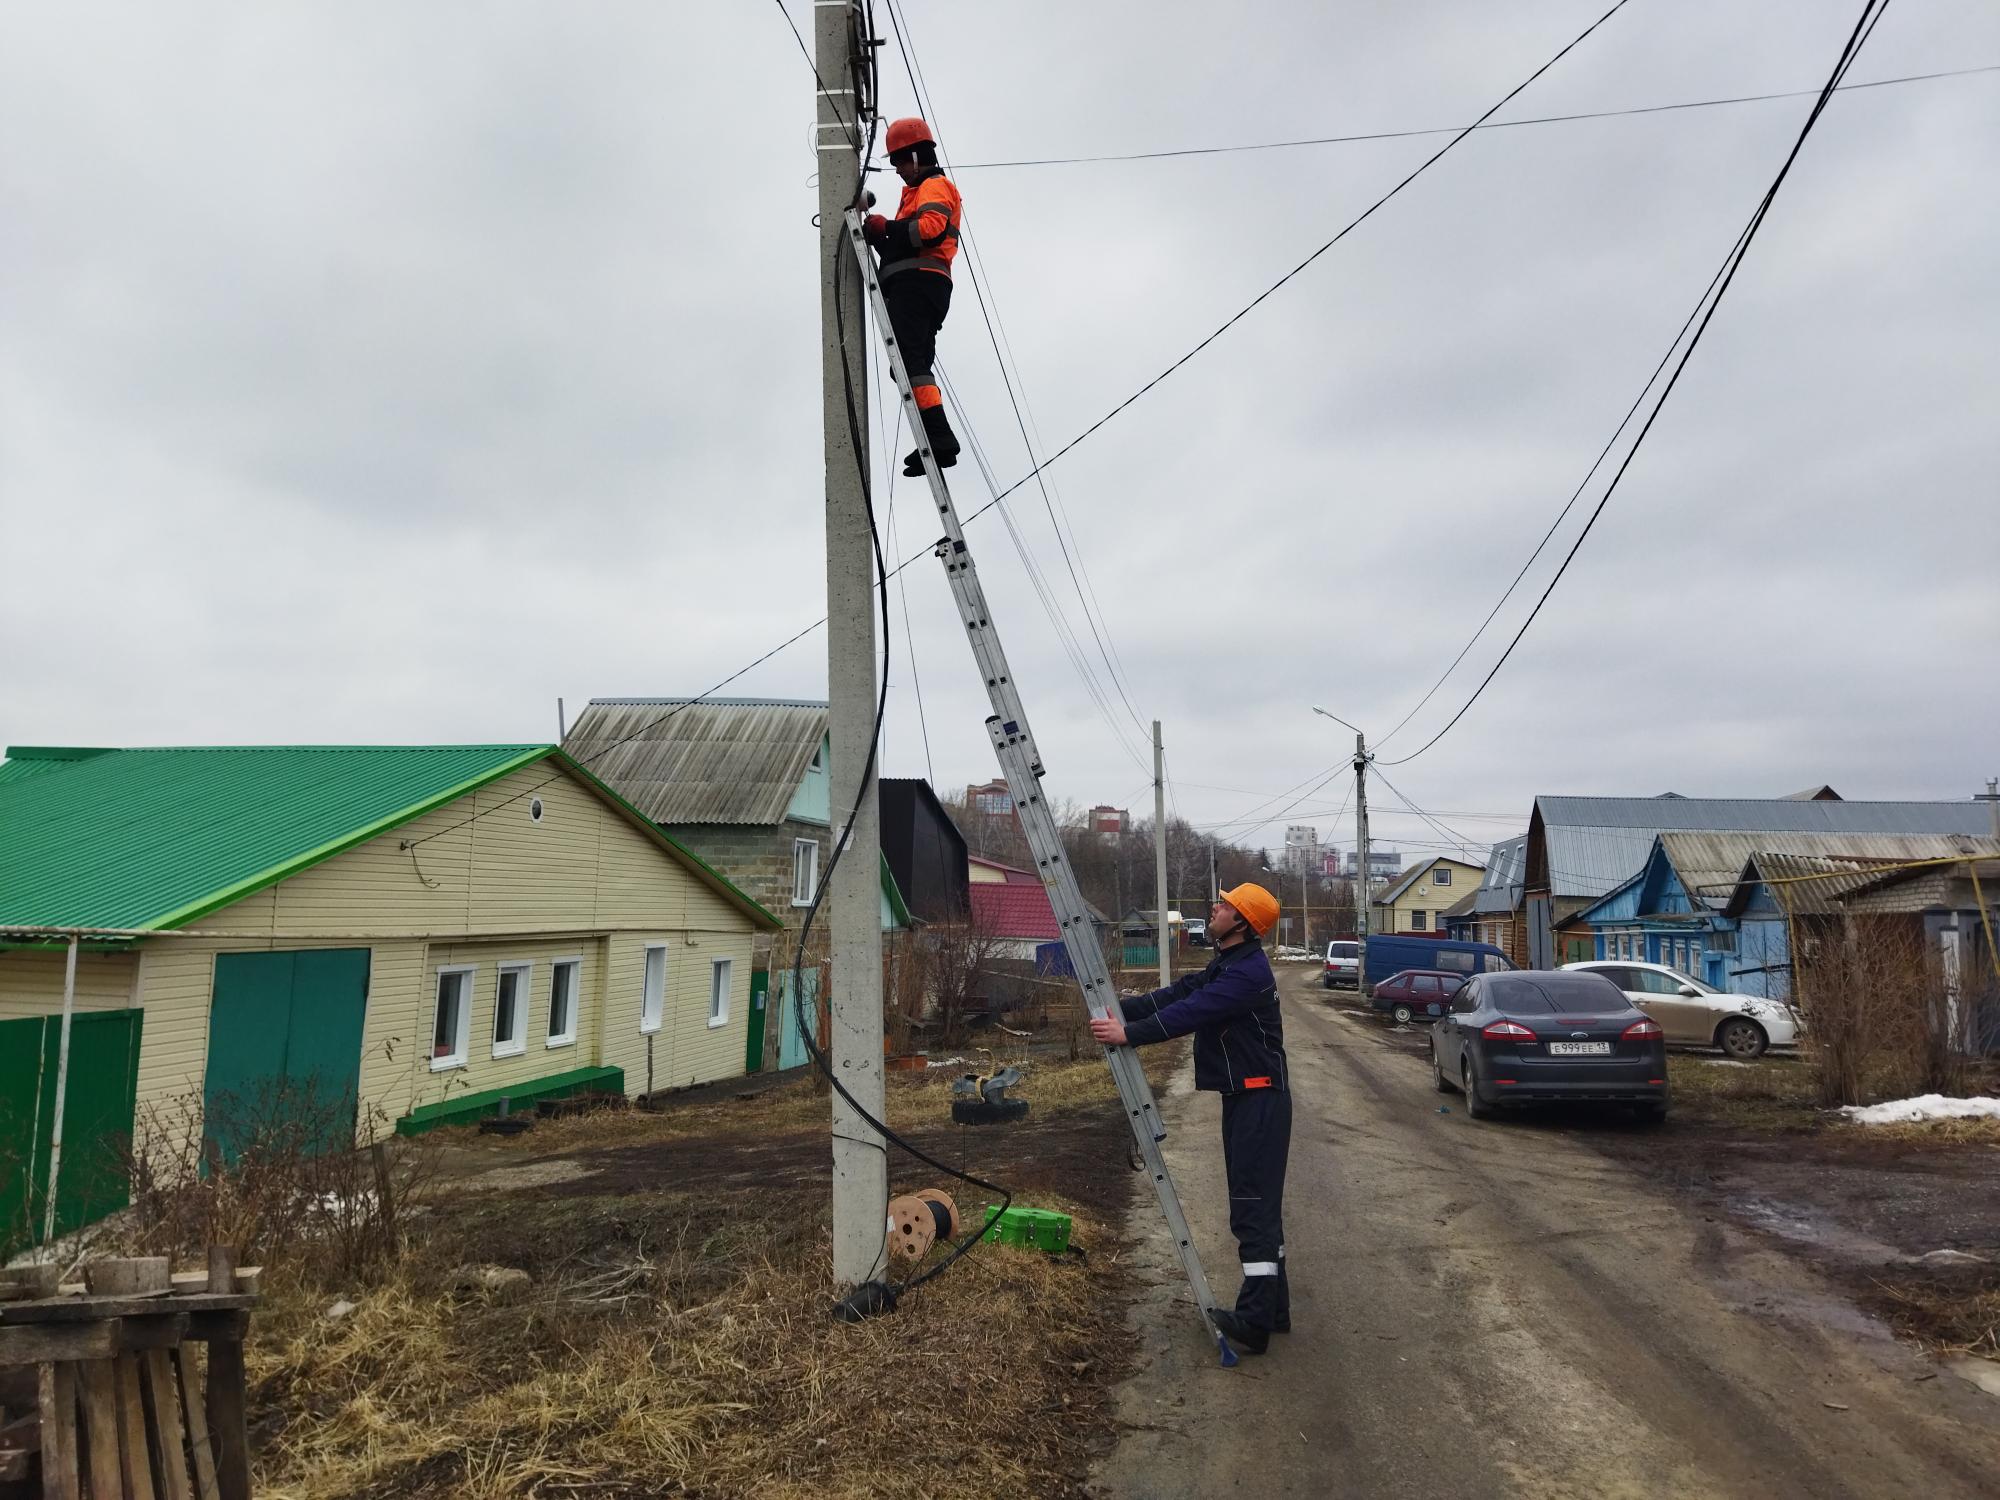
<point>575,964</point>
<point>1418,916</point>
<point>517,1044</point>
<point>652,1002</point>
<point>805,898</point>
<point>721,974</point>
<point>1440,876</point>
<point>458,1058</point>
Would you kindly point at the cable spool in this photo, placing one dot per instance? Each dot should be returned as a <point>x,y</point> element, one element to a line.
<point>918,1221</point>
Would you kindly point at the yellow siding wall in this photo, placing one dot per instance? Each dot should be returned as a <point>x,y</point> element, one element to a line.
<point>31,982</point>
<point>581,882</point>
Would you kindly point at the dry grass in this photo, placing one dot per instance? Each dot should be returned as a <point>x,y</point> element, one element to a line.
<point>704,1362</point>
<point>1933,1132</point>
<point>1949,1312</point>
<point>680,1343</point>
<point>1770,1095</point>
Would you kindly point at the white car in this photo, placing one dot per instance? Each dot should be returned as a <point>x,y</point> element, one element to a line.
<point>1693,1014</point>
<point>1343,964</point>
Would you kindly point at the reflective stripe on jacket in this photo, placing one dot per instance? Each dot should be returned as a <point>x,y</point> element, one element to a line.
<point>924,234</point>
<point>1232,1008</point>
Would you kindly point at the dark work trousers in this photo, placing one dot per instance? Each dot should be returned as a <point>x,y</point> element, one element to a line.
<point>918,301</point>
<point>1256,1139</point>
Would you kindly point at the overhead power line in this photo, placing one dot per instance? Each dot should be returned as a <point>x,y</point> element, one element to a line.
<point>1400,135</point>
<point>1871,13</point>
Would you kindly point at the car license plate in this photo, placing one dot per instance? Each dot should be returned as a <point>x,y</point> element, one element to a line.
<point>1579,1049</point>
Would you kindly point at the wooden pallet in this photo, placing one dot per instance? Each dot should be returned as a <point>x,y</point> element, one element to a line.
<point>126,1410</point>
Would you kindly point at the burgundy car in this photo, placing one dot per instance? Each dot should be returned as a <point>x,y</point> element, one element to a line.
<point>1414,993</point>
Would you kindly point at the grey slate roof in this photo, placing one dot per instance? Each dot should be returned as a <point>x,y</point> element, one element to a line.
<point>1500,891</point>
<point>1821,883</point>
<point>717,760</point>
<point>1595,844</point>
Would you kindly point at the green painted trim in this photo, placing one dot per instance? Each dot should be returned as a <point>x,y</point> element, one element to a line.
<point>54,752</point>
<point>897,908</point>
<point>467,1107</point>
<point>255,883</point>
<point>713,878</point>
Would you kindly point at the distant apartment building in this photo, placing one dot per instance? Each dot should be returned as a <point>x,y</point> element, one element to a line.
<point>1301,848</point>
<point>1109,819</point>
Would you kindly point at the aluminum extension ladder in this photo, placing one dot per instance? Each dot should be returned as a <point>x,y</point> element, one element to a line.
<point>1022,765</point>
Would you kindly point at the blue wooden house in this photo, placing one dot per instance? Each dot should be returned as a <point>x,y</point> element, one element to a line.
<point>1702,903</point>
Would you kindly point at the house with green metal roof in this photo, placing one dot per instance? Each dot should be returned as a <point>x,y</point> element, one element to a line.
<point>392,937</point>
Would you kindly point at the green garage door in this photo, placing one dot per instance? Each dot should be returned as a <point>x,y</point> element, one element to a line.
<point>97,1120</point>
<point>284,1049</point>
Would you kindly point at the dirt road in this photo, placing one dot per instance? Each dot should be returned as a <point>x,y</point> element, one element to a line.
<point>1497,1309</point>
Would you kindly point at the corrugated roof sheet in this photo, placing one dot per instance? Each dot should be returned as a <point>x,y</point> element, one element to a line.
<point>148,838</point>
<point>1818,883</point>
<point>1595,844</point>
<point>1500,890</point>
<point>717,760</point>
<point>1014,911</point>
<point>1709,864</point>
<point>156,838</point>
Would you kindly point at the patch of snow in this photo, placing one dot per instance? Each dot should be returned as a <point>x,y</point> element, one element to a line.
<point>1950,1258</point>
<point>1722,1062</point>
<point>1923,1107</point>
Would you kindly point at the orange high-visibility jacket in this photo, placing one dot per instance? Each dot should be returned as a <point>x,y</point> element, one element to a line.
<point>924,234</point>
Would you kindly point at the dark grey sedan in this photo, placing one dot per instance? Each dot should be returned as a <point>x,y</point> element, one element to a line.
<point>1538,1036</point>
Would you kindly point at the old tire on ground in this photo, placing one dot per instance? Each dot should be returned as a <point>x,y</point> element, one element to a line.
<point>1478,1108</point>
<point>1740,1039</point>
<point>1400,1013</point>
<point>979,1112</point>
<point>1438,1080</point>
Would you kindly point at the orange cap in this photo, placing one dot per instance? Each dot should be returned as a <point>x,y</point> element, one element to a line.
<point>1255,905</point>
<point>903,134</point>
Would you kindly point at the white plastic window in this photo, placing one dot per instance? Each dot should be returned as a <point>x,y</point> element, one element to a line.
<point>719,973</point>
<point>510,1009</point>
<point>805,871</point>
<point>451,1022</point>
<point>564,975</point>
<point>653,1001</point>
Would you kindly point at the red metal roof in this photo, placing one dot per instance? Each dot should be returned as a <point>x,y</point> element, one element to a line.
<point>1014,911</point>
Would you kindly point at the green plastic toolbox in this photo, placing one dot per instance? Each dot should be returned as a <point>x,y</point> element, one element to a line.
<point>1030,1228</point>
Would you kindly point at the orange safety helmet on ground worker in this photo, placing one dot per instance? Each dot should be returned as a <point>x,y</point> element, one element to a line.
<point>1255,905</point>
<point>903,134</point>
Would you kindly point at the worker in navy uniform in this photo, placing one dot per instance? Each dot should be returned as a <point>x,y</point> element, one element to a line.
<point>1231,1007</point>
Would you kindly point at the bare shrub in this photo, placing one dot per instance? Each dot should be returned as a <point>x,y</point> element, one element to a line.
<point>953,958</point>
<point>1877,1020</point>
<point>289,1174</point>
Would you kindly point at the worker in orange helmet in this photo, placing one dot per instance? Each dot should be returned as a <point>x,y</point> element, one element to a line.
<point>917,248</point>
<point>1231,1007</point>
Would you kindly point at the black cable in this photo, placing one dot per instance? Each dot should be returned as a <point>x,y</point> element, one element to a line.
<point>1352,225</point>
<point>1397,135</point>
<point>990,316</point>
<point>858,443</point>
<point>1732,263</point>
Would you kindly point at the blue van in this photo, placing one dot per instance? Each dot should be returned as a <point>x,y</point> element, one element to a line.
<point>1393,953</point>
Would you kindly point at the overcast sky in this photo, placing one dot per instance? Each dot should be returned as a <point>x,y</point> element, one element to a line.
<point>381,372</point>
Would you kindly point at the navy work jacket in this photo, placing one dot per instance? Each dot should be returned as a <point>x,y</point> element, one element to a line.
<point>1232,1008</point>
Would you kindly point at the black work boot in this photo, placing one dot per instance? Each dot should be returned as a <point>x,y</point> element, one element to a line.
<point>1233,1327</point>
<point>944,443</point>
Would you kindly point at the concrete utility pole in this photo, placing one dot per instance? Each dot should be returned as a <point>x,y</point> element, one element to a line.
<point>1214,890</point>
<point>1160,857</point>
<point>860,1157</point>
<point>1363,886</point>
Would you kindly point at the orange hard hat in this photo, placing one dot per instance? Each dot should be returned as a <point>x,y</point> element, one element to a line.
<point>1255,905</point>
<point>903,134</point>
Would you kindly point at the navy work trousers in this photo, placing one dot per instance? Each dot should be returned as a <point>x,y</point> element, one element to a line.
<point>1256,1139</point>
